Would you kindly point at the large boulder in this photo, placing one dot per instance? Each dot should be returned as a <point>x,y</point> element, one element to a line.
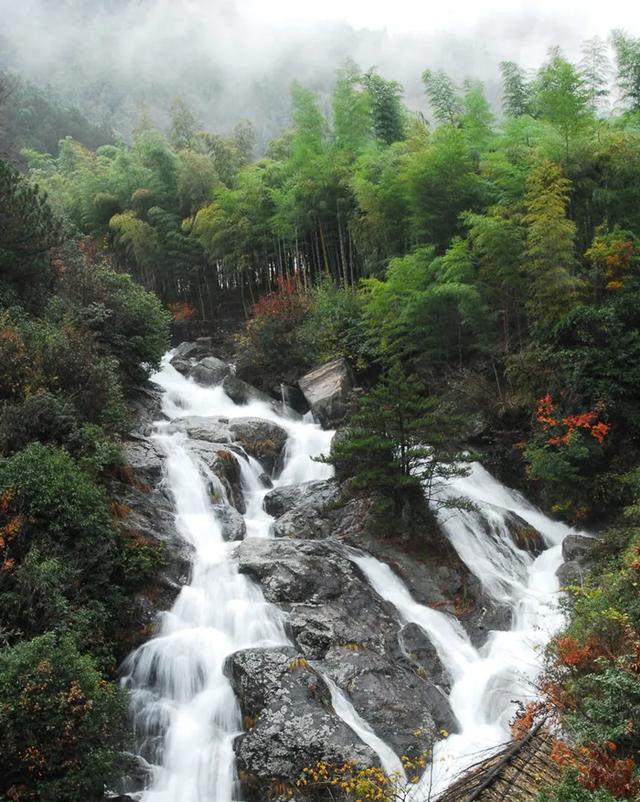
<point>327,391</point>
<point>288,497</point>
<point>577,546</point>
<point>525,536</point>
<point>231,522</point>
<point>242,393</point>
<point>576,551</point>
<point>199,349</point>
<point>203,427</point>
<point>403,709</point>
<point>262,439</point>
<point>306,511</point>
<point>144,458</point>
<point>423,655</point>
<point>289,721</point>
<point>224,479</point>
<point>210,371</point>
<point>328,601</point>
<point>146,514</point>
<point>145,404</point>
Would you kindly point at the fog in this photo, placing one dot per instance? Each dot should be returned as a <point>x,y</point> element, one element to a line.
<point>234,60</point>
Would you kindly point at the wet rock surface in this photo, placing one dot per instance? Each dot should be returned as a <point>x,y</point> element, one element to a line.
<point>576,551</point>
<point>327,390</point>
<point>338,621</point>
<point>210,371</point>
<point>431,567</point>
<point>261,439</point>
<point>289,720</point>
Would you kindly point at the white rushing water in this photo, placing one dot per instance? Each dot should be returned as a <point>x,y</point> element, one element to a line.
<point>486,681</point>
<point>185,713</point>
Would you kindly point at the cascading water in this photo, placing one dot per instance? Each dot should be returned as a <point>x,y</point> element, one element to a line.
<point>185,712</point>
<point>485,681</point>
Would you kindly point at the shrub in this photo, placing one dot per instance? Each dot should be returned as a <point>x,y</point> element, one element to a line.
<point>62,727</point>
<point>48,501</point>
<point>43,416</point>
<point>334,326</point>
<point>270,341</point>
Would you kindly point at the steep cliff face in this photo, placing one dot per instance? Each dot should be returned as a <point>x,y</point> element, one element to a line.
<point>345,643</point>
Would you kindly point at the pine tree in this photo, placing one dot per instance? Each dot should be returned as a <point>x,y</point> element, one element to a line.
<point>398,443</point>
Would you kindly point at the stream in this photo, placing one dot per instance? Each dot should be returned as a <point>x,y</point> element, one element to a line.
<point>185,713</point>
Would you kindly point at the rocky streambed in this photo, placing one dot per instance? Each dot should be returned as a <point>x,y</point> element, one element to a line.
<point>339,630</point>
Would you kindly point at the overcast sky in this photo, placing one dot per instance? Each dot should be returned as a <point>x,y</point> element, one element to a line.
<point>236,58</point>
<point>402,16</point>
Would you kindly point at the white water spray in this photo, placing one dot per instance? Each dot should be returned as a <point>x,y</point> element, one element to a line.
<point>486,681</point>
<point>184,709</point>
<point>185,713</point>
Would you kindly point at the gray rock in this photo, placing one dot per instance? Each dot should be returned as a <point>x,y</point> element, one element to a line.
<point>327,391</point>
<point>423,656</point>
<point>525,536</point>
<point>327,600</point>
<point>144,458</point>
<point>576,551</point>
<point>193,350</point>
<point>262,439</point>
<point>243,393</point>
<point>571,574</point>
<point>182,365</point>
<point>223,462</point>
<point>400,706</point>
<point>577,547</point>
<point>200,427</point>
<point>286,498</point>
<point>210,371</point>
<point>145,405</point>
<point>290,724</point>
<point>231,521</point>
<point>149,514</point>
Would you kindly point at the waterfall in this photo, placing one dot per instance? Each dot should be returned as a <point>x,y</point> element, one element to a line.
<point>486,681</point>
<point>185,713</point>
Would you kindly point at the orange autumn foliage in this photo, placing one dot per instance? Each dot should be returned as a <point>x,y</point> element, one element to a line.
<point>182,311</point>
<point>561,429</point>
<point>286,303</point>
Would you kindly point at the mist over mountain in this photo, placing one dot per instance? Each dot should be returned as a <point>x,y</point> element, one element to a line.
<point>115,59</point>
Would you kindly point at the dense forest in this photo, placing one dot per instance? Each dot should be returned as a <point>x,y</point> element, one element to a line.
<point>481,274</point>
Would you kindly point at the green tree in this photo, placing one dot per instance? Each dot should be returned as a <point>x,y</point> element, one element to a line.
<point>386,107</point>
<point>516,94</point>
<point>549,245</point>
<point>28,232</point>
<point>352,110</point>
<point>627,50</point>
<point>184,125</point>
<point>399,442</point>
<point>443,96</point>
<point>562,97</point>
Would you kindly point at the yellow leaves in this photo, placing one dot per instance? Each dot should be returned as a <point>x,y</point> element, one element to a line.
<point>369,784</point>
<point>298,663</point>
